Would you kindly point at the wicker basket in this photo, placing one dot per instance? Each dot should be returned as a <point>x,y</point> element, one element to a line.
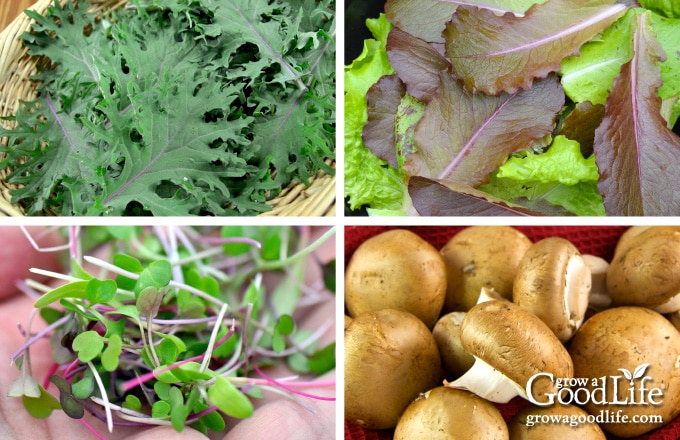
<point>317,199</point>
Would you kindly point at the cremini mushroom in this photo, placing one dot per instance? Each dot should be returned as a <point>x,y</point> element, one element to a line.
<point>599,298</point>
<point>446,332</point>
<point>450,414</point>
<point>510,345</point>
<point>553,282</point>
<point>628,359</point>
<point>390,358</point>
<point>399,270</point>
<point>553,422</point>
<point>481,256</point>
<point>645,272</point>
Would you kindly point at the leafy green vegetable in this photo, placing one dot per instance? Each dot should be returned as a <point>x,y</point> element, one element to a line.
<point>182,108</point>
<point>468,156</point>
<point>88,345</point>
<point>512,51</point>
<point>561,176</point>
<point>42,406</point>
<point>634,147</point>
<point>589,76</point>
<point>224,395</point>
<point>188,347</point>
<point>75,289</point>
<point>368,180</point>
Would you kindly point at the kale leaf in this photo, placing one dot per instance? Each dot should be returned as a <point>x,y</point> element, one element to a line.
<point>186,107</point>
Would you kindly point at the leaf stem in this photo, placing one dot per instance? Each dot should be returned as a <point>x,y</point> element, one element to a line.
<point>213,337</point>
<point>105,397</point>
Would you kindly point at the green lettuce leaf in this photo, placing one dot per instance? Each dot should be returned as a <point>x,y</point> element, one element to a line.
<point>667,8</point>
<point>560,176</point>
<point>368,180</point>
<point>668,35</point>
<point>589,76</point>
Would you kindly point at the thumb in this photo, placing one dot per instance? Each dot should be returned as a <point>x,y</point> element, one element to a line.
<point>168,433</point>
<point>284,418</point>
<point>17,255</point>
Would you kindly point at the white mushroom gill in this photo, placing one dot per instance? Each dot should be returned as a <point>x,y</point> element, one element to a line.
<point>488,383</point>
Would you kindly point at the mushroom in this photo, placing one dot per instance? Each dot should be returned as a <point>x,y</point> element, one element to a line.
<point>396,269</point>
<point>599,298</point>
<point>628,361</point>
<point>450,414</point>
<point>481,256</point>
<point>510,346</point>
<point>529,424</point>
<point>390,358</point>
<point>446,332</point>
<point>553,282</point>
<point>348,321</point>
<point>645,272</point>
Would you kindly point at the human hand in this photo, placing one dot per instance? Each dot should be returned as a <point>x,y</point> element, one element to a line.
<point>276,416</point>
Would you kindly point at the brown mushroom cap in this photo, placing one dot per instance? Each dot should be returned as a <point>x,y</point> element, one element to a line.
<point>516,343</point>
<point>523,425</point>
<point>481,256</point>
<point>553,282</point>
<point>446,332</point>
<point>449,414</point>
<point>396,270</point>
<point>645,272</point>
<point>629,338</point>
<point>390,358</point>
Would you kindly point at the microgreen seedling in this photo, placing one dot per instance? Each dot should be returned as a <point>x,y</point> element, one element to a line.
<point>175,325</point>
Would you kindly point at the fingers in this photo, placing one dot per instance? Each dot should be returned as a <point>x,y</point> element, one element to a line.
<point>17,256</point>
<point>287,419</point>
<point>168,433</point>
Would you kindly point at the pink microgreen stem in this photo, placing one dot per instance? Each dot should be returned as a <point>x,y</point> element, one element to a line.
<point>91,429</point>
<point>277,383</point>
<point>227,240</point>
<point>37,336</point>
<point>132,383</point>
<point>53,369</point>
<point>72,366</point>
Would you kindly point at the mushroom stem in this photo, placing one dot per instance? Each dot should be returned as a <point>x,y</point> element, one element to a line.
<point>670,306</point>
<point>488,383</point>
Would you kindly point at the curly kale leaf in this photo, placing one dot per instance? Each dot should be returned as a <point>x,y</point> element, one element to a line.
<point>174,110</point>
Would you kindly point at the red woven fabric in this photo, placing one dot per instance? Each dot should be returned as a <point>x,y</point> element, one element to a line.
<point>595,240</point>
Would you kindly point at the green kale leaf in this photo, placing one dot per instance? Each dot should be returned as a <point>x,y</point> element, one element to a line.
<point>181,108</point>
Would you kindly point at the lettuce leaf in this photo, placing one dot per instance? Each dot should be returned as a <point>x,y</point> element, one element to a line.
<point>560,176</point>
<point>512,51</point>
<point>426,19</point>
<point>636,152</point>
<point>667,32</point>
<point>368,180</point>
<point>667,8</point>
<point>589,76</point>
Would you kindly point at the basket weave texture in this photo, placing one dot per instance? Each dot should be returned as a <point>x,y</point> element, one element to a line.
<point>594,240</point>
<point>16,68</point>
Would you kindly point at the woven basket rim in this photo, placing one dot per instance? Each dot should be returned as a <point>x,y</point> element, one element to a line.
<point>317,199</point>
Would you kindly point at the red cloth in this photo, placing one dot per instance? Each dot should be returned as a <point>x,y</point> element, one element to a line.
<point>595,240</point>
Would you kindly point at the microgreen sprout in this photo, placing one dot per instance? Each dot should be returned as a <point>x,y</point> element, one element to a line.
<point>175,325</point>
